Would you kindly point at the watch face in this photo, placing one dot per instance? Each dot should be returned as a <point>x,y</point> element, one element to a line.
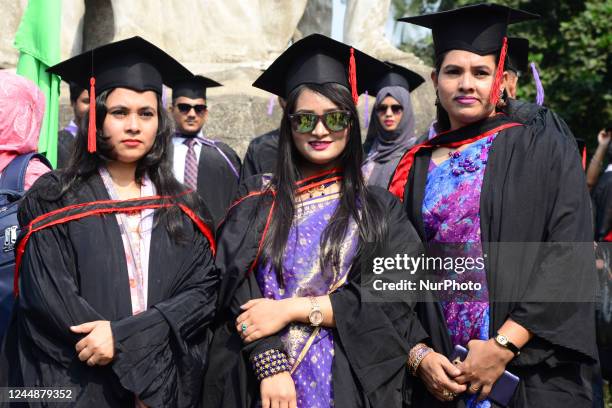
<point>315,317</point>
<point>502,339</point>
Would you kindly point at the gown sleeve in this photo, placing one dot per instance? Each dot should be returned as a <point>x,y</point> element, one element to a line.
<point>566,267</point>
<point>49,301</point>
<point>160,354</point>
<point>238,247</point>
<point>377,336</point>
<point>230,380</point>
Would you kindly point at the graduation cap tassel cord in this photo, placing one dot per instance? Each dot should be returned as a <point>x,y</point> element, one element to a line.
<point>499,74</point>
<point>353,77</point>
<point>91,131</point>
<point>538,84</point>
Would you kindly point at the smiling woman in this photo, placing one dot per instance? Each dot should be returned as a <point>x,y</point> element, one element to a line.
<point>103,305</point>
<point>294,330</point>
<point>319,130</point>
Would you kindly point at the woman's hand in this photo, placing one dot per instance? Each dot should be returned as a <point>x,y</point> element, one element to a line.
<point>262,318</point>
<point>98,347</point>
<point>438,375</point>
<point>484,364</point>
<point>278,391</point>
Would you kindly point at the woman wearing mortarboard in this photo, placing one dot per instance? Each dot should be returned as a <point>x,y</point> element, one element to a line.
<point>293,328</point>
<point>391,131</point>
<point>115,283</point>
<point>484,178</point>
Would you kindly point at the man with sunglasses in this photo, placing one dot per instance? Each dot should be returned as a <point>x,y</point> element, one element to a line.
<point>208,166</point>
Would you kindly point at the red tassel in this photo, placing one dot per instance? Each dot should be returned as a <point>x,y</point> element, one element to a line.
<point>499,75</point>
<point>584,158</point>
<point>91,131</point>
<point>353,77</point>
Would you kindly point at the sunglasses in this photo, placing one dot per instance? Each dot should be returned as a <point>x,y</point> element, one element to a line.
<point>333,121</point>
<point>186,108</point>
<point>396,109</point>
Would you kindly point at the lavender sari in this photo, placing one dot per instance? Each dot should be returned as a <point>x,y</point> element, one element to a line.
<point>304,277</point>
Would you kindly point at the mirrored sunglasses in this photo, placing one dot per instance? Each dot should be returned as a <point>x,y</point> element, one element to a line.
<point>333,121</point>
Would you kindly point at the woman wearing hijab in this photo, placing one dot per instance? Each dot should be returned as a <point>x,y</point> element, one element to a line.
<point>293,329</point>
<point>510,192</point>
<point>115,283</point>
<point>391,130</point>
<point>22,108</point>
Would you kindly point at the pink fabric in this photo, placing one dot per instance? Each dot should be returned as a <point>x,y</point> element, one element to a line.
<point>22,106</point>
<point>35,169</point>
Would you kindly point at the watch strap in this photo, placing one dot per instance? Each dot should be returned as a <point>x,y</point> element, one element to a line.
<point>508,344</point>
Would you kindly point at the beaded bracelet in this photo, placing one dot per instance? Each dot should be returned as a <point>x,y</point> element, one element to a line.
<point>417,354</point>
<point>269,363</point>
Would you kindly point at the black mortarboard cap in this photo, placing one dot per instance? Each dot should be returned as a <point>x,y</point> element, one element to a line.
<point>397,76</point>
<point>193,88</point>
<point>479,28</point>
<point>133,63</point>
<point>318,59</point>
<point>518,54</point>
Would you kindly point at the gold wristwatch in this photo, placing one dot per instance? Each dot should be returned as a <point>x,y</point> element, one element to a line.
<point>315,316</point>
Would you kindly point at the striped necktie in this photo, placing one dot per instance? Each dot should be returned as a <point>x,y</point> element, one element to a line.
<point>191,165</point>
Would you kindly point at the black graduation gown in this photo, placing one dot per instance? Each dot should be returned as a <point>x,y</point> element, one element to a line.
<point>217,182</point>
<point>65,144</point>
<point>371,340</point>
<point>76,272</point>
<point>534,190</point>
<point>260,157</point>
<point>529,113</point>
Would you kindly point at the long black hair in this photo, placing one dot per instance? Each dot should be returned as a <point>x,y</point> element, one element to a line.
<point>442,119</point>
<point>355,202</point>
<point>156,163</point>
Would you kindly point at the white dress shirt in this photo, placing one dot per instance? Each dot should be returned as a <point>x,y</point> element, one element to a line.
<point>180,154</point>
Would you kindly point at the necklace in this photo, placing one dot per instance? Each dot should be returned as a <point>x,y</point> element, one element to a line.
<point>320,190</point>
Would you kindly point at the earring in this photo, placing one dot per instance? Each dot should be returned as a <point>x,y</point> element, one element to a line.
<point>437,98</point>
<point>502,101</point>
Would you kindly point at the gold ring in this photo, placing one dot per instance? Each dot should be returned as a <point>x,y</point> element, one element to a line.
<point>448,395</point>
<point>474,389</point>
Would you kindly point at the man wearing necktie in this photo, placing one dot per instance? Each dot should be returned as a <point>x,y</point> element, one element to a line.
<point>210,167</point>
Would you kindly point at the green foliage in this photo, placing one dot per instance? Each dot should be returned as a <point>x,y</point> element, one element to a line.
<point>571,47</point>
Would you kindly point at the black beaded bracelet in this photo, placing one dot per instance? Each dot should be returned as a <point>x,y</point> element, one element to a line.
<point>269,363</point>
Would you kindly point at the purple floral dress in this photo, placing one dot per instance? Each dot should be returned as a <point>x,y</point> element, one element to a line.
<point>451,214</point>
<point>303,277</point>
